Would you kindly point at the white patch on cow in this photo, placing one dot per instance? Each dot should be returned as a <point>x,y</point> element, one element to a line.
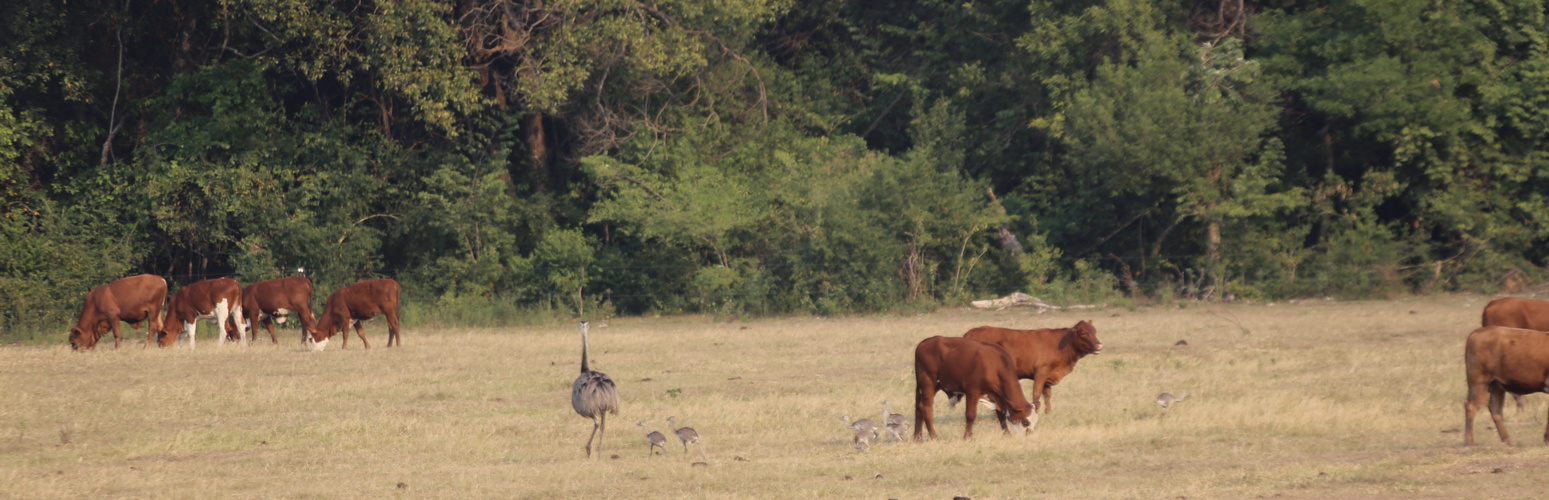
<point>281,314</point>
<point>222,309</point>
<point>188,329</point>
<point>317,346</point>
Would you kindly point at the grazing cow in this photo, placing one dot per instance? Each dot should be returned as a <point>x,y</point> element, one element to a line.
<point>1501,360</point>
<point>217,299</point>
<point>966,368</point>
<point>134,299</point>
<point>356,303</point>
<point>1043,356</point>
<point>274,300</point>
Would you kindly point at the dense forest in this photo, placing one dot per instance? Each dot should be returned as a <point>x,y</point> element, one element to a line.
<point>755,157</point>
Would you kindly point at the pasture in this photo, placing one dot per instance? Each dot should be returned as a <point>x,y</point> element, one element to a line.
<point>1311,399</point>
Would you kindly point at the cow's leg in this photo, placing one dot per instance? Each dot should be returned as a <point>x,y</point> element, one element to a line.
<point>1039,388</point>
<point>135,325</point>
<point>269,325</point>
<point>1546,434</point>
<point>236,317</point>
<point>1048,389</point>
<point>1497,402</point>
<point>189,328</point>
<point>359,330</point>
<point>924,400</point>
<point>222,311</point>
<point>970,413</point>
<point>392,329</point>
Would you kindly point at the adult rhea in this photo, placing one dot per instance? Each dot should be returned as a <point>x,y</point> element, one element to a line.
<point>593,396</point>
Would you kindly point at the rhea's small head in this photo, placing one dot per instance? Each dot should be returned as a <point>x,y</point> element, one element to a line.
<point>584,326</point>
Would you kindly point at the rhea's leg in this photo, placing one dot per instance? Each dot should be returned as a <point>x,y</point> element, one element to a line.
<point>588,438</point>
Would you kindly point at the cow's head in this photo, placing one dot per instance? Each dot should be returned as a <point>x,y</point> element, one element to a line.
<point>81,341</point>
<point>1083,337</point>
<point>317,337</point>
<point>1022,417</point>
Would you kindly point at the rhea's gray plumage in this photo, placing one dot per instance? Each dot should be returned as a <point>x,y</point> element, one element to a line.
<point>593,396</point>
<point>891,418</point>
<point>863,439</point>
<point>1166,400</point>
<point>655,439</point>
<point>687,435</point>
<point>864,424</point>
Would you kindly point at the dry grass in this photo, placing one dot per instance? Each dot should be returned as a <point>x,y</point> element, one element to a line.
<point>1312,399</point>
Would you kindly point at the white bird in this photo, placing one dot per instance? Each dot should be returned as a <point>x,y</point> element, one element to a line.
<point>593,396</point>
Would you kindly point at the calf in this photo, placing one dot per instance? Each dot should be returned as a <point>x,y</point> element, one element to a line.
<point>1501,360</point>
<point>274,300</point>
<point>356,303</point>
<point>133,299</point>
<point>1043,356</point>
<point>966,368</point>
<point>217,299</point>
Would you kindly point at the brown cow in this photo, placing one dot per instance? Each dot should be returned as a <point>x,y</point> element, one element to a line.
<point>1501,360</point>
<point>274,300</point>
<point>1043,356</point>
<point>966,367</point>
<point>218,299</point>
<point>1513,312</point>
<point>354,304</point>
<point>133,299</point>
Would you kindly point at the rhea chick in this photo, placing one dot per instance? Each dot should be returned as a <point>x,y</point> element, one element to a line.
<point>1166,400</point>
<point>864,424</point>
<point>655,439</point>
<point>687,435</point>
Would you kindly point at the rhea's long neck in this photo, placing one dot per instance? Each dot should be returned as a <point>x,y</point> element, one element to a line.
<point>583,352</point>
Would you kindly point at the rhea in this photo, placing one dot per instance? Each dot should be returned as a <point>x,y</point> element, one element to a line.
<point>893,421</point>
<point>1166,400</point>
<point>593,396</point>
<point>864,424</point>
<point>655,439</point>
<point>687,435</point>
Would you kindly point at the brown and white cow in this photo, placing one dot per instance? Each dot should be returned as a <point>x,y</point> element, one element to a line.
<point>134,299</point>
<point>1044,356</point>
<point>356,303</point>
<point>218,299</point>
<point>273,301</point>
<point>967,368</point>
<point>1502,360</point>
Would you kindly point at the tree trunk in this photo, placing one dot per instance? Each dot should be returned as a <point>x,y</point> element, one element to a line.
<point>537,146</point>
<point>1213,250</point>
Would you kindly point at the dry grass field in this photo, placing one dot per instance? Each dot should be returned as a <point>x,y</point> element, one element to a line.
<point>1313,399</point>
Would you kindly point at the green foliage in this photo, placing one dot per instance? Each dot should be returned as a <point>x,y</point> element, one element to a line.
<point>518,161</point>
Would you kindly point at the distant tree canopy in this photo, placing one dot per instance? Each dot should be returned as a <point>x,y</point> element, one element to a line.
<point>774,156</point>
